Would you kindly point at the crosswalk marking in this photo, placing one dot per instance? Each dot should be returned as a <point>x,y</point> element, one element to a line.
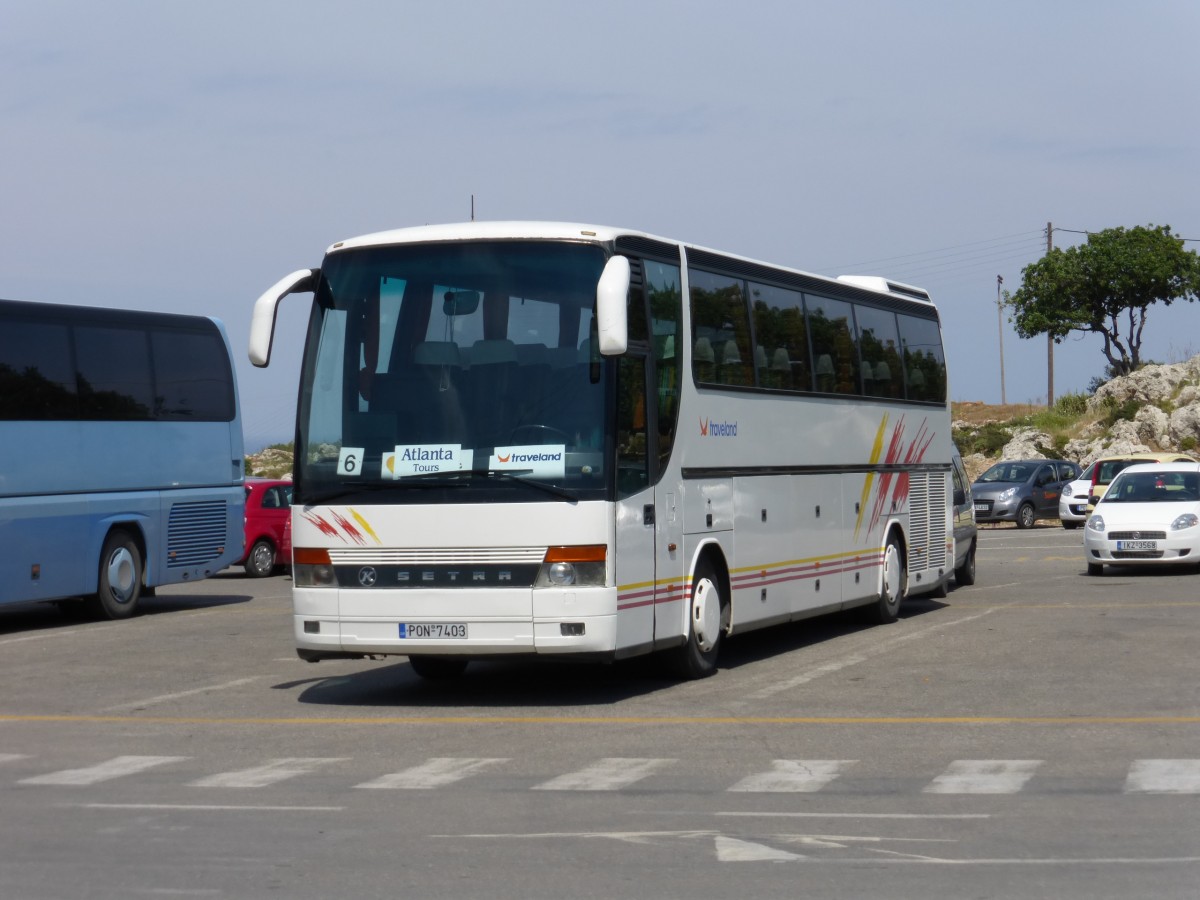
<point>984,776</point>
<point>794,776</point>
<point>609,774</point>
<point>1164,776</point>
<point>105,771</point>
<point>960,777</point>
<point>261,776</point>
<point>434,773</point>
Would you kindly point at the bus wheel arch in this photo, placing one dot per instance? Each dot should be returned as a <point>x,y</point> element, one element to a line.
<point>121,574</point>
<point>709,613</point>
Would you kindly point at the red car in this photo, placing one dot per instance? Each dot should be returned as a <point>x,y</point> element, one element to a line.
<point>268,542</point>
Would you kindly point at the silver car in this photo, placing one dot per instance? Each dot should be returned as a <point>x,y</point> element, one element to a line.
<point>1021,490</point>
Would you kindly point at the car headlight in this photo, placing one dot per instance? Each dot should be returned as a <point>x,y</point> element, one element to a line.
<point>1187,520</point>
<point>1096,523</point>
<point>1066,490</point>
<point>1007,494</point>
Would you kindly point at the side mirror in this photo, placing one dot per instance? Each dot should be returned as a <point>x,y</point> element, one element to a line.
<point>262,323</point>
<point>960,497</point>
<point>612,291</point>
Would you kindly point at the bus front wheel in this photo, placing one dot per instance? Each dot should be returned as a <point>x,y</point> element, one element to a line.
<point>708,619</point>
<point>120,581</point>
<point>895,583</point>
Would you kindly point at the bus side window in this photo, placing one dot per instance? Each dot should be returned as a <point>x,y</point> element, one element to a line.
<point>633,464</point>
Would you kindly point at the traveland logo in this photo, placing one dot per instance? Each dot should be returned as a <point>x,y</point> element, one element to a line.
<point>713,428</point>
<point>539,460</point>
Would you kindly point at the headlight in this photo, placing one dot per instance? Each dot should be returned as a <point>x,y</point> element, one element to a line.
<point>573,567</point>
<point>312,568</point>
<point>1187,520</point>
<point>1096,523</point>
<point>1066,490</point>
<point>1006,494</point>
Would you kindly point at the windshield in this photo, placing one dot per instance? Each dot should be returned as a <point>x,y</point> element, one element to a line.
<point>459,372</point>
<point>1007,472</point>
<point>1154,487</point>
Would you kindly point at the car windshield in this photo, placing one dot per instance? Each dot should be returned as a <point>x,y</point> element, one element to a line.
<point>1155,487</point>
<point>1007,472</point>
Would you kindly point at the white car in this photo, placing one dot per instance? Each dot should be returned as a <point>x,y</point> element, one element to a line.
<point>1150,515</point>
<point>1073,501</point>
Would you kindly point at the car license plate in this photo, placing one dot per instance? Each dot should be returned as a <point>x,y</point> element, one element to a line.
<point>1137,545</point>
<point>434,630</point>
<point>981,507</point>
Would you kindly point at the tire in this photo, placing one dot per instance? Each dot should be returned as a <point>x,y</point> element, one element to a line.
<point>708,619</point>
<point>260,561</point>
<point>894,583</point>
<point>1026,516</point>
<point>1095,569</point>
<point>965,574</point>
<point>438,668</point>
<point>119,586</point>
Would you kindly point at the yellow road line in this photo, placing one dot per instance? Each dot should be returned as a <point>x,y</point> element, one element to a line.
<point>610,720</point>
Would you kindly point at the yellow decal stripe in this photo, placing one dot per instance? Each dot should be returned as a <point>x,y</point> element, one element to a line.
<point>365,524</point>
<point>876,452</point>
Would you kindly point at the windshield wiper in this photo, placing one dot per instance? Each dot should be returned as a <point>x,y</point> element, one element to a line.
<point>370,487</point>
<point>510,476</point>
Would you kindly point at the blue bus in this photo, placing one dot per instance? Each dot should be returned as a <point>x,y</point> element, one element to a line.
<point>121,457</point>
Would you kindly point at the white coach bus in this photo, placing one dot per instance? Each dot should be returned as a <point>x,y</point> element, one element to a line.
<point>545,438</point>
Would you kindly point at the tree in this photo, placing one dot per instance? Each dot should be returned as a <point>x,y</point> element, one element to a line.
<point>1105,287</point>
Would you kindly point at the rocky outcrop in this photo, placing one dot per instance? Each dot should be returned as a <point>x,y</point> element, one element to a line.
<point>274,462</point>
<point>1160,405</point>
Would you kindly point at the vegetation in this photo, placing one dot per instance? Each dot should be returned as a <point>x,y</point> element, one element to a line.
<point>1105,287</point>
<point>273,462</point>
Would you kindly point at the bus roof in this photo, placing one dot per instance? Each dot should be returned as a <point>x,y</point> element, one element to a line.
<point>531,230</point>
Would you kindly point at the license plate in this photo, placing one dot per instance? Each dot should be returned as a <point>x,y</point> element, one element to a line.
<point>434,630</point>
<point>981,507</point>
<point>1137,545</point>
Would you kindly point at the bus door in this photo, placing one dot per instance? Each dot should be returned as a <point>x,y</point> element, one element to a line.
<point>649,521</point>
<point>636,509</point>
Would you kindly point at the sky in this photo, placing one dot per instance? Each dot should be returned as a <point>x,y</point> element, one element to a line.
<point>185,156</point>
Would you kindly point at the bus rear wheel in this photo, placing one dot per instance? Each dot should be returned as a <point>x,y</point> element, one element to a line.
<point>120,577</point>
<point>708,620</point>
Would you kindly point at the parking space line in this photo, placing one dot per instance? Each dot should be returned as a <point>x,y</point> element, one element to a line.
<point>164,698</point>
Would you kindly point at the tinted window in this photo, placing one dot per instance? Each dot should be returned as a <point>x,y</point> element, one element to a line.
<point>114,373</point>
<point>666,312</point>
<point>721,329</point>
<point>835,358</point>
<point>36,377</point>
<point>879,344</point>
<point>781,355</point>
<point>924,362</point>
<point>192,379</point>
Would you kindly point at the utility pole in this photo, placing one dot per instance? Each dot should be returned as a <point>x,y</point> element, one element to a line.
<point>1049,339</point>
<point>1000,323</point>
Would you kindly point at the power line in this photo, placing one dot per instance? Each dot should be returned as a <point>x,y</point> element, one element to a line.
<point>925,253</point>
